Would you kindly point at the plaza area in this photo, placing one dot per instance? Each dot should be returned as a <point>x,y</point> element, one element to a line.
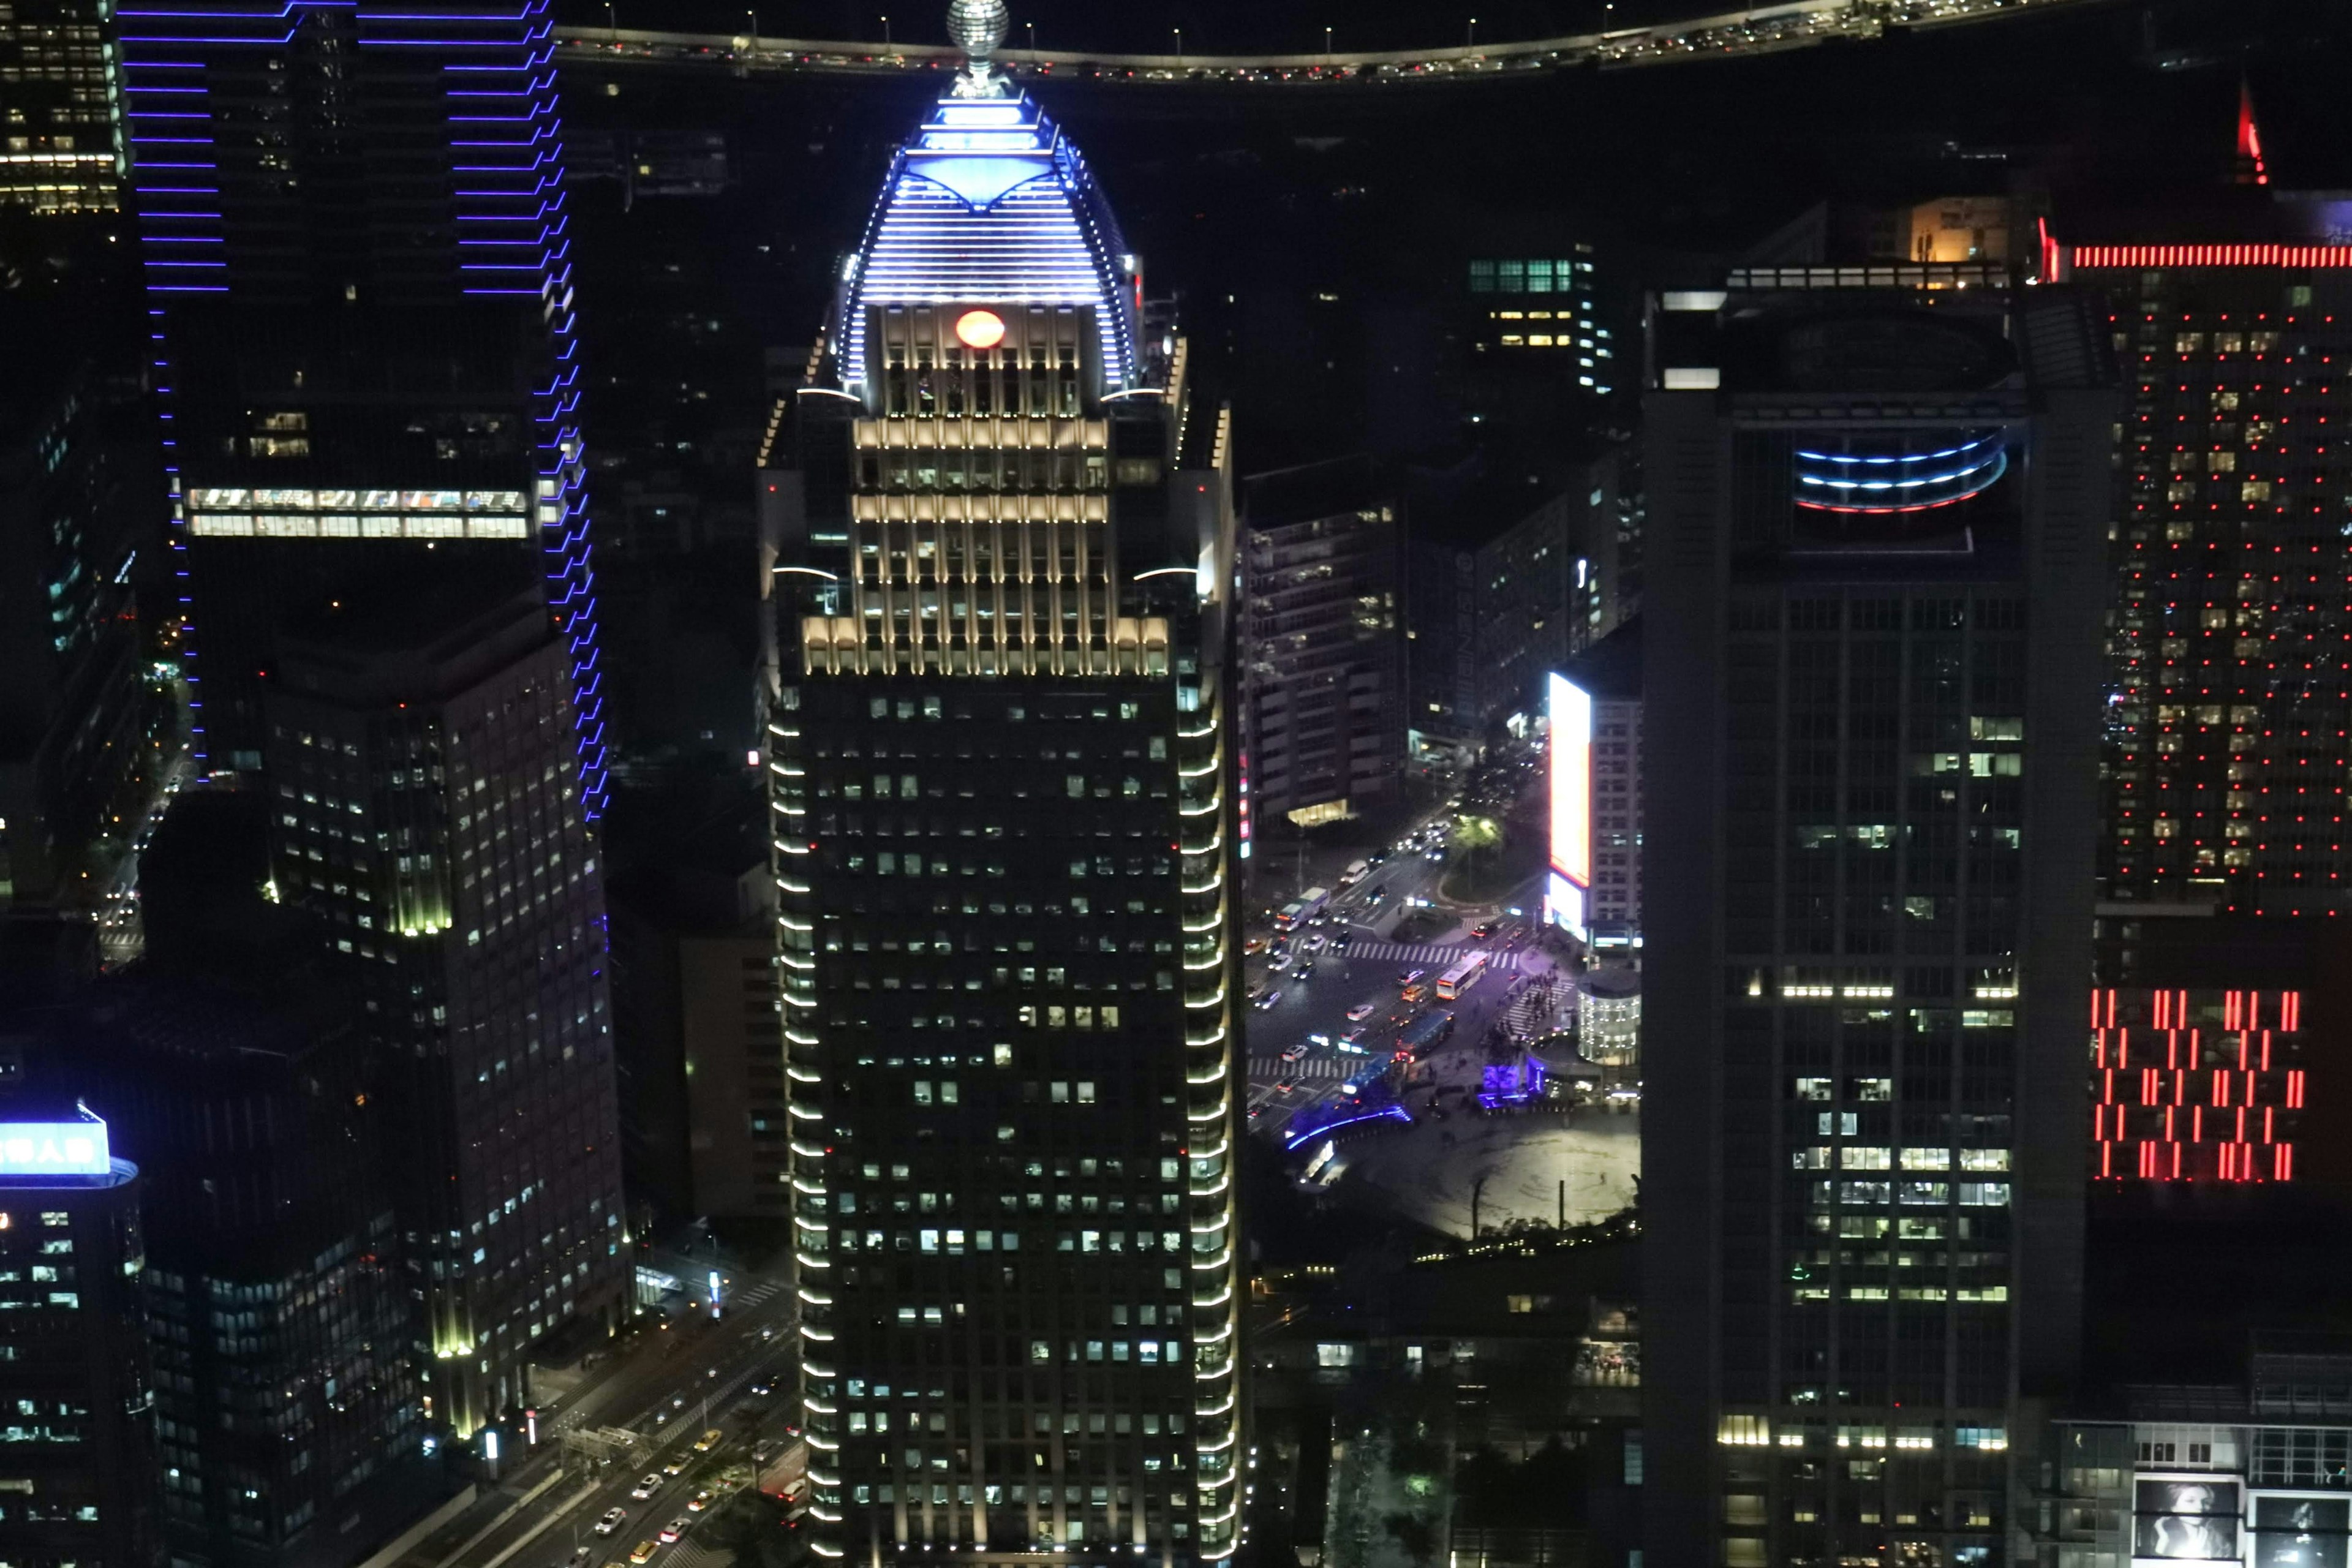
<point>1428,1171</point>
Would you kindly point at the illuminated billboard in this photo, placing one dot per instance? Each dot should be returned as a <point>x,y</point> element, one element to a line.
<point>2186,1520</point>
<point>40,1151</point>
<point>1567,890</point>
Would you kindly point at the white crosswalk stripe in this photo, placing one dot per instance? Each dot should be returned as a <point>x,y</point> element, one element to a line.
<point>1269,1068</point>
<point>1437,959</point>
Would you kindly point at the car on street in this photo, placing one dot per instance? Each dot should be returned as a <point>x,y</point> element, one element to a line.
<point>710,1441</point>
<point>613,1519</point>
<point>643,1550</point>
<point>1436,854</point>
<point>1407,976</point>
<point>1305,972</point>
<point>673,1529</point>
<point>1284,1085</point>
<point>699,1502</point>
<point>1297,1053</point>
<point>1254,945</point>
<point>647,1488</point>
<point>1377,897</point>
<point>1340,939</point>
<point>1353,1040</point>
<point>677,1467</point>
<point>579,1554</point>
<point>1361,1011</point>
<point>761,1390</point>
<point>1265,1003</point>
<point>1314,942</point>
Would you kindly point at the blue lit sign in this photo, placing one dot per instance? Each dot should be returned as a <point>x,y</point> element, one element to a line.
<point>54,1149</point>
<point>1889,481</point>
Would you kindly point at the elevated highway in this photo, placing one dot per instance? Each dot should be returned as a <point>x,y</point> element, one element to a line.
<point>1761,29</point>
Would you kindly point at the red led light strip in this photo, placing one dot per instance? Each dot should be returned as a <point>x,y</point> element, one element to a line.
<point>2142,256</point>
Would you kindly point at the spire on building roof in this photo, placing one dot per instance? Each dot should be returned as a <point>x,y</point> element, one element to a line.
<point>2251,170</point>
<point>978,26</point>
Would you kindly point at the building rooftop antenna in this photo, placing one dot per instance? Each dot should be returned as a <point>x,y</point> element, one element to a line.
<point>978,27</point>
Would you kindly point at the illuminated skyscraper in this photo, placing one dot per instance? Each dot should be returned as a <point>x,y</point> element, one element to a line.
<point>2227,781</point>
<point>83,1485</point>
<point>358,268</point>
<point>426,806</point>
<point>61,121</point>
<point>1876,566</point>
<point>1002,822</point>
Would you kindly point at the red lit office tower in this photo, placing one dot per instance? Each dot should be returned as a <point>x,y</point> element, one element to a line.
<point>2230,662</point>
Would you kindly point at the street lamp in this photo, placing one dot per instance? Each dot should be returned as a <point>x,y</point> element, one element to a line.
<point>885,34</point>
<point>753,17</point>
<point>1032,44</point>
<point>1472,41</point>
<point>612,26</point>
<point>1326,48</point>
<point>1180,46</point>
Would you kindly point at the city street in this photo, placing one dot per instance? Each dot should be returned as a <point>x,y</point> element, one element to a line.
<point>1371,969</point>
<point>668,1388</point>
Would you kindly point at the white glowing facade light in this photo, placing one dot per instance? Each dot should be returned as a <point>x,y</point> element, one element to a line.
<point>991,204</point>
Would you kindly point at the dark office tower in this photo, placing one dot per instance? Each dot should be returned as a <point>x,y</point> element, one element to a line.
<point>1871,689</point>
<point>359,276</point>
<point>61,113</point>
<point>77,709</point>
<point>76,1415</point>
<point>427,802</point>
<point>1323,645</point>
<point>1001,790</point>
<point>284,1400</point>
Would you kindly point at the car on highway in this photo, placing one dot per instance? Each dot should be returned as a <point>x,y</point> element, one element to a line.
<point>677,1466</point>
<point>1297,1053</point>
<point>1361,1011</point>
<point>613,1519</point>
<point>1265,1003</point>
<point>699,1502</point>
<point>673,1529</point>
<point>710,1441</point>
<point>761,1390</point>
<point>643,1550</point>
<point>647,1488</point>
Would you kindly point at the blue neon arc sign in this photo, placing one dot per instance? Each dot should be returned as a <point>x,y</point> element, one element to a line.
<point>1883,481</point>
<point>54,1149</point>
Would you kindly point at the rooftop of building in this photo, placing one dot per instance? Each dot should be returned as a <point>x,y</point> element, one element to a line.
<point>1308,492</point>
<point>1612,667</point>
<point>417,629</point>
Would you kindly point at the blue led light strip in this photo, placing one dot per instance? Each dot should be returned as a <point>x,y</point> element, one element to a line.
<point>496,61</point>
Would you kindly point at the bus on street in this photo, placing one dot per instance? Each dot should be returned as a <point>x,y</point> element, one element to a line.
<point>1461,977</point>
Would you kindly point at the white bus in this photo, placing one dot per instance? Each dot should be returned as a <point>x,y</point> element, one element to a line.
<point>1303,909</point>
<point>1461,977</point>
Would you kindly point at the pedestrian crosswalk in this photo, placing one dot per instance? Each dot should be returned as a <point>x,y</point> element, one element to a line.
<point>758,1293</point>
<point>1314,1069</point>
<point>1437,960</point>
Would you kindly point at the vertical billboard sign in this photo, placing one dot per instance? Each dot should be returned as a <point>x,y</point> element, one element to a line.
<point>1567,890</point>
